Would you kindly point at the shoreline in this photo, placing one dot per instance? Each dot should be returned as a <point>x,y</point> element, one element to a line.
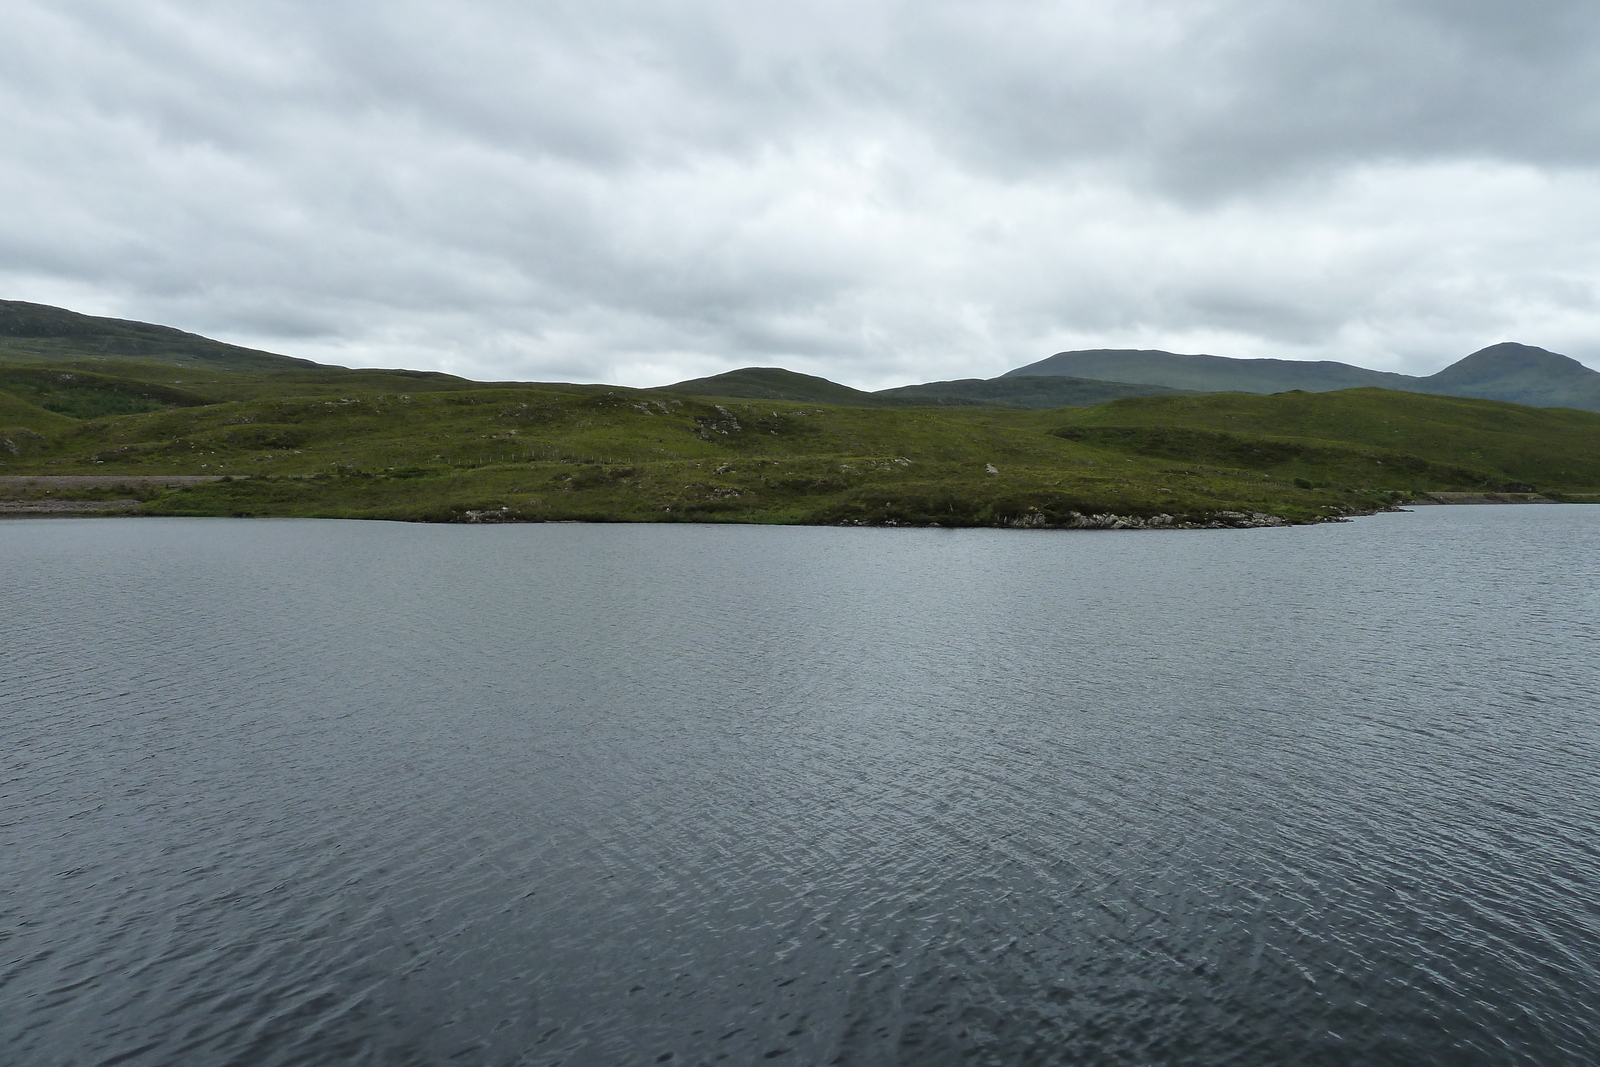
<point>143,495</point>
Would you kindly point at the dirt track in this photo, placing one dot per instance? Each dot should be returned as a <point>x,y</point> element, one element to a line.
<point>1482,498</point>
<point>92,481</point>
<point>62,507</point>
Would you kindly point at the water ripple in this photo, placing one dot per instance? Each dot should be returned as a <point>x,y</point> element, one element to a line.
<point>315,792</point>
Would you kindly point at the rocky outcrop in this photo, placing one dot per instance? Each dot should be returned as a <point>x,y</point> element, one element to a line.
<point>1221,520</point>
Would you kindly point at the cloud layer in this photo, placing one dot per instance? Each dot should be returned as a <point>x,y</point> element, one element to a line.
<point>880,192</point>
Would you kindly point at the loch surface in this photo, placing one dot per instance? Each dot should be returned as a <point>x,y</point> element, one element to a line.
<point>308,792</point>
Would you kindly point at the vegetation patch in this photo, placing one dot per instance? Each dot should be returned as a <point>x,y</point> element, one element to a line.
<point>400,445</point>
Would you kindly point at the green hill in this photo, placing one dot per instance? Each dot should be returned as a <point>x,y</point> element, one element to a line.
<point>36,333</point>
<point>1047,391</point>
<point>775,383</point>
<point>630,455</point>
<point>148,361</point>
<point>1042,391</point>
<point>637,456</point>
<point>15,412</point>
<point>288,437</point>
<point>83,395</point>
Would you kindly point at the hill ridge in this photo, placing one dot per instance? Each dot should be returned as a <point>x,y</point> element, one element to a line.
<point>1508,370</point>
<point>42,335</point>
<point>286,438</point>
<point>41,332</point>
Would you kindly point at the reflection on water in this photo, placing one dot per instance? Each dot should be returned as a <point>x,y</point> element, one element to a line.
<point>282,792</point>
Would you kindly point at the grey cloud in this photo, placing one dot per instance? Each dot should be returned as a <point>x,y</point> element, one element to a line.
<point>1239,92</point>
<point>880,191</point>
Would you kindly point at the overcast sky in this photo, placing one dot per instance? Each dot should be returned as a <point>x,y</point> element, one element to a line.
<point>877,191</point>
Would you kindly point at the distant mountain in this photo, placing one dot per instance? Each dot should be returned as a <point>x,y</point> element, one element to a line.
<point>1047,391</point>
<point>38,333</point>
<point>120,357</point>
<point>1209,374</point>
<point>1032,391</point>
<point>1520,374</point>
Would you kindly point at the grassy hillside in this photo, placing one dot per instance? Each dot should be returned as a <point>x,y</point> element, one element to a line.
<point>289,437</point>
<point>38,333</point>
<point>211,385</point>
<point>82,395</point>
<point>632,456</point>
<point>493,454</point>
<point>775,383</point>
<point>1544,447</point>
<point>1041,392</point>
<point>17,413</point>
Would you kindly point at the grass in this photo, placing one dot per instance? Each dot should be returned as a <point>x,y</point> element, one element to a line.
<point>413,445</point>
<point>1548,448</point>
<point>17,415</point>
<point>81,394</point>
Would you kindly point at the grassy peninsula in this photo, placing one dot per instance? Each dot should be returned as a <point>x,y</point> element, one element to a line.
<point>541,454</point>
<point>118,424</point>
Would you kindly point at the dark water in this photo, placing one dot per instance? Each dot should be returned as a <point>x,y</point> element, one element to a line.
<point>281,792</point>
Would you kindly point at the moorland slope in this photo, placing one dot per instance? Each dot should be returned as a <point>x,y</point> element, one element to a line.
<point>291,438</point>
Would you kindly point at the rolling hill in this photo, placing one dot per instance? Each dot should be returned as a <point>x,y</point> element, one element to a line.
<point>775,383</point>
<point>40,336</point>
<point>534,454</point>
<point>1521,374</point>
<point>1208,374</point>
<point>1044,391</point>
<point>37,333</point>
<point>1037,391</point>
<point>1525,446</point>
<point>15,412</point>
<point>115,400</point>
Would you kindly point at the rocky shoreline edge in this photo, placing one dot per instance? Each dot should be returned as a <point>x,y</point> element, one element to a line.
<point>24,504</point>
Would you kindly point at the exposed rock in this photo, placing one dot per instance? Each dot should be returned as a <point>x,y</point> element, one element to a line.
<point>724,423</point>
<point>500,514</point>
<point>1222,520</point>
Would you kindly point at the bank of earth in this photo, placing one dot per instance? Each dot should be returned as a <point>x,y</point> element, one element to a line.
<point>372,445</point>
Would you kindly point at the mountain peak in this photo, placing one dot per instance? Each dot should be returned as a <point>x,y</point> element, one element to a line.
<point>1508,358</point>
